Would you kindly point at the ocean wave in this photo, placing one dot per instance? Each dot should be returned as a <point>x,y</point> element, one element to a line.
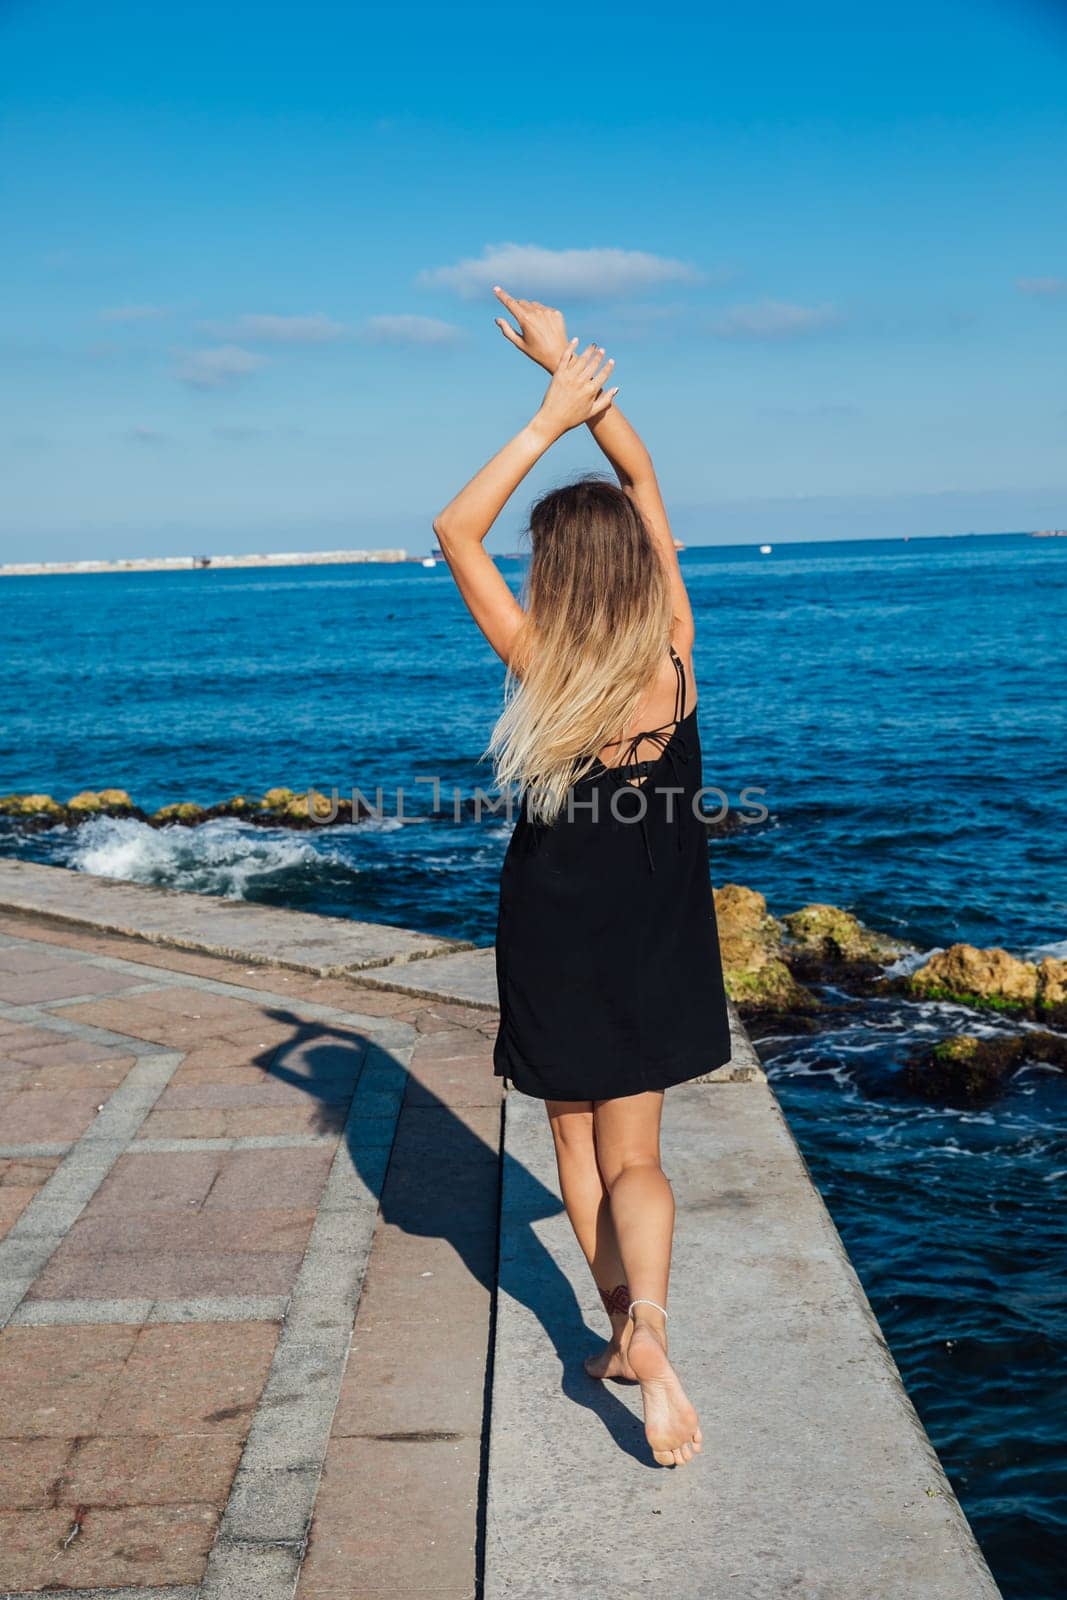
<point>224,857</point>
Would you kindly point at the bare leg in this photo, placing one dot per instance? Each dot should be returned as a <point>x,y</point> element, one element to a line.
<point>626,1131</point>
<point>589,1211</point>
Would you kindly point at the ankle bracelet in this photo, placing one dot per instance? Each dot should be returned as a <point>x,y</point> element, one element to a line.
<point>643,1302</point>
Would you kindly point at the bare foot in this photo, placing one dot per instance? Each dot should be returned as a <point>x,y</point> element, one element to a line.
<point>671,1425</point>
<point>612,1361</point>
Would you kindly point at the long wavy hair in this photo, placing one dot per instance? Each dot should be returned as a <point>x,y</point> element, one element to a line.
<point>598,622</point>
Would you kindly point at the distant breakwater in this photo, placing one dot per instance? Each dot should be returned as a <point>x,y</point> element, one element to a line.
<point>292,558</point>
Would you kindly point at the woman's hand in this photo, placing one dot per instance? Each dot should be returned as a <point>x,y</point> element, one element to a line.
<point>576,393</point>
<point>542,331</point>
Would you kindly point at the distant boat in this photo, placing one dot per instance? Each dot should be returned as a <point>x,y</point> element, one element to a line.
<point>678,545</point>
<point>765,549</point>
<point>429,561</point>
<point>1051,533</point>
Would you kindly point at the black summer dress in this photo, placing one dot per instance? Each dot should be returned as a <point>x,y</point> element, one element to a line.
<point>607,952</point>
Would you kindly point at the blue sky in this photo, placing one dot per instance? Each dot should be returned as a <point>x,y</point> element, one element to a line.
<point>249,249</point>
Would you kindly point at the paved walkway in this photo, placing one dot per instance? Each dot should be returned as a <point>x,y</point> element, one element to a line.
<point>271,1324</point>
<point>191,1184</point>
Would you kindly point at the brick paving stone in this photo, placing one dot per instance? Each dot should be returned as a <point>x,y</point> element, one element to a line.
<point>241,1122</point>
<point>137,1546</point>
<point>289,1177</point>
<point>30,1471</point>
<point>178,1469</point>
<point>437,1018</point>
<point>207,1070</point>
<point>33,1116</point>
<point>192,1377</point>
<point>29,958</point>
<point>453,1081</point>
<point>267,1092</point>
<point>422,1313</point>
<point>126,1276</point>
<point>64,1050</point>
<point>27,1171</point>
<point>59,982</point>
<point>13,1202</point>
<point>394,1515</point>
<point>452,1043</point>
<point>183,1000</point>
<point>427,1131</point>
<point>165,1180</point>
<point>216,1058</point>
<point>101,1076</point>
<point>139,1021</point>
<point>186,1232</point>
<point>55,1381</point>
<point>19,1036</point>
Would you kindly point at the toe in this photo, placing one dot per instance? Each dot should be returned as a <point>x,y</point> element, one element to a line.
<point>665,1458</point>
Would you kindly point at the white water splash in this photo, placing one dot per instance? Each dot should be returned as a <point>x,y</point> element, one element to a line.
<point>224,857</point>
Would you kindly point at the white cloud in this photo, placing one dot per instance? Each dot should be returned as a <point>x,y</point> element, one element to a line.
<point>214,368</point>
<point>774,319</point>
<point>1042,288</point>
<point>262,328</point>
<point>133,313</point>
<point>529,269</point>
<point>407,329</point>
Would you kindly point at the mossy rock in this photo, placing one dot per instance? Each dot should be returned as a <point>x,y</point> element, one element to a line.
<point>825,933</point>
<point>750,941</point>
<point>238,805</point>
<point>968,1071</point>
<point>31,805</point>
<point>277,799</point>
<point>309,807</point>
<point>99,802</point>
<point>984,978</point>
<point>1052,990</point>
<point>183,812</point>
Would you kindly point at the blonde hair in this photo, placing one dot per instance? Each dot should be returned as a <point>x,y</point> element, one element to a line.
<point>598,623</point>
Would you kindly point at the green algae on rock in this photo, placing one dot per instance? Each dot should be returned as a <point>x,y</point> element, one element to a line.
<point>32,805</point>
<point>993,980</point>
<point>183,812</point>
<point>828,944</point>
<point>750,939</point>
<point>102,802</point>
<point>966,1070</point>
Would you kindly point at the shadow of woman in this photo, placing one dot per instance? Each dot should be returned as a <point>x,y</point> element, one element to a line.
<point>442,1180</point>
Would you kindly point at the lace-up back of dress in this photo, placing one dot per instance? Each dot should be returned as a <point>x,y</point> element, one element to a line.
<point>628,768</point>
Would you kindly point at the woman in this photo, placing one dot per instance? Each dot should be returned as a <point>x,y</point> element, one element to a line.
<point>608,966</point>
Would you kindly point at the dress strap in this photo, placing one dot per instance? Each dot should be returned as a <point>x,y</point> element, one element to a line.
<point>679,699</point>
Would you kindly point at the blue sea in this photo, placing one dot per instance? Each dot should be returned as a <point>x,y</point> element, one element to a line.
<point>900,707</point>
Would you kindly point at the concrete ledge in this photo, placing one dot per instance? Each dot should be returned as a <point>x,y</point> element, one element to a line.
<point>816,1479</point>
<point>236,929</point>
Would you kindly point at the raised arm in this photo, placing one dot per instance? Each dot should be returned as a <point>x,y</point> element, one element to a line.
<point>542,334</point>
<point>575,395</point>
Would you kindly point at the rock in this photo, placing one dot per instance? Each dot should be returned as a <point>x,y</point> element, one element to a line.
<point>308,807</point>
<point>277,799</point>
<point>750,939</point>
<point>827,934</point>
<point>182,812</point>
<point>103,802</point>
<point>32,805</point>
<point>976,977</point>
<point>237,806</point>
<point>965,1070</point>
<point>1052,990</point>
